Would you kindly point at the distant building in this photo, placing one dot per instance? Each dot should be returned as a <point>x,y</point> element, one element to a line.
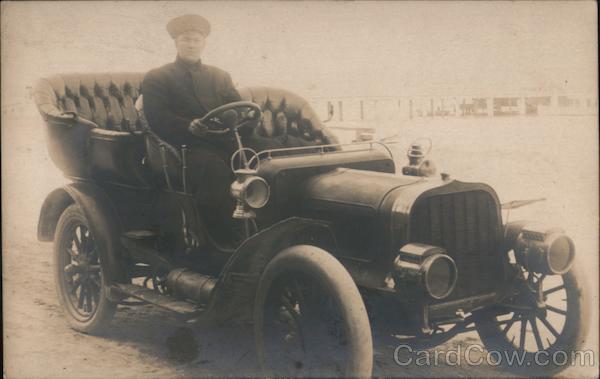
<point>447,103</point>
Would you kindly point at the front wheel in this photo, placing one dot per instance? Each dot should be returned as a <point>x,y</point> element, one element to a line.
<point>539,332</point>
<point>78,274</point>
<point>310,319</point>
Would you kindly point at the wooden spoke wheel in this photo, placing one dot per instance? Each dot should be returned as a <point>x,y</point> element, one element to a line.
<point>543,323</point>
<point>310,319</point>
<point>78,273</point>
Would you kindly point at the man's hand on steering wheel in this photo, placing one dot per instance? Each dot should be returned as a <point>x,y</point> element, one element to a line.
<point>228,117</point>
<point>197,128</point>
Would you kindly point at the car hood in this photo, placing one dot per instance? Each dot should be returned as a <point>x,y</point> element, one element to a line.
<point>358,188</point>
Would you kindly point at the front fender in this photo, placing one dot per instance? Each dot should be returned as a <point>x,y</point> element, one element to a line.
<point>234,292</point>
<point>103,221</point>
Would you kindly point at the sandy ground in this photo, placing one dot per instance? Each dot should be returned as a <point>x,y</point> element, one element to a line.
<point>522,158</point>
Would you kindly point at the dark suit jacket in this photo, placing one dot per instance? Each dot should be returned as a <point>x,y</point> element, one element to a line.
<point>177,93</point>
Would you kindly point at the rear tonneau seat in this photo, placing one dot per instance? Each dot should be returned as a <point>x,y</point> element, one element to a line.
<point>93,127</point>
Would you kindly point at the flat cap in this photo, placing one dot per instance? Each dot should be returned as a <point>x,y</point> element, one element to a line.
<point>187,22</point>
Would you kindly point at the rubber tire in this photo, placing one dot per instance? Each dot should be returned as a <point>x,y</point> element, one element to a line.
<point>330,273</point>
<point>571,338</point>
<point>105,311</point>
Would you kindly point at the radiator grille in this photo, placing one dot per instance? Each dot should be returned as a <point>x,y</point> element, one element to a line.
<point>466,225</point>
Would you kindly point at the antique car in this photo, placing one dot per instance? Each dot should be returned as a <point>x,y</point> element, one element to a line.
<point>328,245</point>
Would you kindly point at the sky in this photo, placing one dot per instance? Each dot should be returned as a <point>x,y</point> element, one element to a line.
<point>318,49</point>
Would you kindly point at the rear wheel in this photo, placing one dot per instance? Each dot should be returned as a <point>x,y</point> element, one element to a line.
<point>78,274</point>
<point>545,331</point>
<point>310,319</point>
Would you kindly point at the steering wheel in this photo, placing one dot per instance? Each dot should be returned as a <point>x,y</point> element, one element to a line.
<point>232,116</point>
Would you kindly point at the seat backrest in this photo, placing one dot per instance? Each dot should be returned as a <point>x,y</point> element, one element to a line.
<point>110,150</point>
<point>304,128</point>
<point>106,99</point>
<point>109,100</point>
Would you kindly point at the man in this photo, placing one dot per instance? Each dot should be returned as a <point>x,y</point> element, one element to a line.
<point>176,96</point>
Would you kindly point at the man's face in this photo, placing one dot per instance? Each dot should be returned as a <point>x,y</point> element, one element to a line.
<point>190,45</point>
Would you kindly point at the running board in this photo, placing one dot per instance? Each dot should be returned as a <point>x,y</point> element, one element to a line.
<point>164,301</point>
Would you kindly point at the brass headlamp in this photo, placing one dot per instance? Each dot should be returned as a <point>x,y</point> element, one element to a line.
<point>250,191</point>
<point>427,269</point>
<point>544,250</point>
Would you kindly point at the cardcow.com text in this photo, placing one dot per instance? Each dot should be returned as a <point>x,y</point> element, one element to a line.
<point>476,355</point>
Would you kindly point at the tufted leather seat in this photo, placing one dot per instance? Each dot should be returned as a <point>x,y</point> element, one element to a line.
<point>111,146</point>
<point>304,128</point>
<point>106,99</point>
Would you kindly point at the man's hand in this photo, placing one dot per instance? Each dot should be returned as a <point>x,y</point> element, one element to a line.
<point>197,128</point>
